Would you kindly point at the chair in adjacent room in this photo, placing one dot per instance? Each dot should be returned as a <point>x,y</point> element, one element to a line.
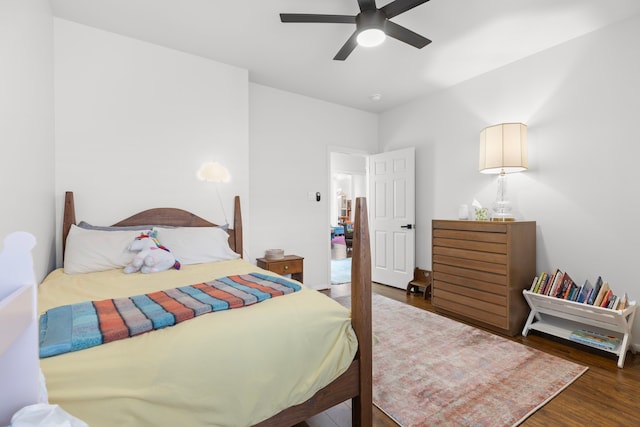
<point>348,236</point>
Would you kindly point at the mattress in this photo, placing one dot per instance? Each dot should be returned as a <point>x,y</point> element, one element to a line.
<point>229,368</point>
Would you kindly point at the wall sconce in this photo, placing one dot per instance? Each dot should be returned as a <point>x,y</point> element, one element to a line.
<point>216,173</point>
<point>503,150</point>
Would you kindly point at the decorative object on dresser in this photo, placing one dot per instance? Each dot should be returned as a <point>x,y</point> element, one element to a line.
<point>503,149</point>
<point>480,270</point>
<point>288,264</point>
<point>589,314</point>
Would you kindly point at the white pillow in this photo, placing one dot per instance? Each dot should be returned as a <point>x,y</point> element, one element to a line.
<point>97,250</point>
<point>195,245</point>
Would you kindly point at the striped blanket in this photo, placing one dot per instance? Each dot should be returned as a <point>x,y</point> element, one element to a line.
<point>83,325</point>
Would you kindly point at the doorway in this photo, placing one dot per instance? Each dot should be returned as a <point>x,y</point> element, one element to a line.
<point>348,172</point>
<point>388,181</point>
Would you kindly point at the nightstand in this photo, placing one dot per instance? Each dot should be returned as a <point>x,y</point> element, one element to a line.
<point>290,264</point>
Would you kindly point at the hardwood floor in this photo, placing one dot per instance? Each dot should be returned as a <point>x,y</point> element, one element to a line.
<point>604,396</point>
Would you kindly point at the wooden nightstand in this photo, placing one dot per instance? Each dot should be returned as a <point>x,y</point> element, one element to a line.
<point>290,264</point>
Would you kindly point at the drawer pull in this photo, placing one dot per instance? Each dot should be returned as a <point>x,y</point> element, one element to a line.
<point>286,267</point>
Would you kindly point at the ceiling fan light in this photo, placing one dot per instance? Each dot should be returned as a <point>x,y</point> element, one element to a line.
<point>371,37</point>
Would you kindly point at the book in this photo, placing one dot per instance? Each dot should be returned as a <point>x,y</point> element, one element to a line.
<point>624,301</point>
<point>545,283</point>
<point>606,298</point>
<point>533,284</point>
<point>588,296</point>
<point>584,291</point>
<point>573,292</point>
<point>603,291</point>
<point>596,290</point>
<point>595,339</point>
<point>562,286</point>
<point>569,286</point>
<point>536,289</point>
<point>576,293</point>
<point>557,279</point>
<point>544,278</point>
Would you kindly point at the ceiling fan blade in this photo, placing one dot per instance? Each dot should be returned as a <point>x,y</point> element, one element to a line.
<point>405,35</point>
<point>310,17</point>
<point>347,48</point>
<point>367,5</point>
<point>397,7</point>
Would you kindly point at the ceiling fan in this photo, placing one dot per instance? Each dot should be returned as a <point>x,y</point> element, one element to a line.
<point>372,24</point>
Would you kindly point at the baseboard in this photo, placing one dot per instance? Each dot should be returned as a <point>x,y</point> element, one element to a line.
<point>635,348</point>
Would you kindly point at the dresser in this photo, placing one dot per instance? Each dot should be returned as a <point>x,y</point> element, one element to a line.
<point>480,269</point>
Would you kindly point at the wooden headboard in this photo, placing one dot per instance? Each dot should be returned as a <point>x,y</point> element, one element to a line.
<point>160,216</point>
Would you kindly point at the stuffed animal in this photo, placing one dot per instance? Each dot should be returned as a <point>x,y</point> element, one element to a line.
<point>152,257</point>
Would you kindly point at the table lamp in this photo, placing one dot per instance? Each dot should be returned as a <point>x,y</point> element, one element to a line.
<point>503,150</point>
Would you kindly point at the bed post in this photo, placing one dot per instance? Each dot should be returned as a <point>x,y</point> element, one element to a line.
<point>362,409</point>
<point>68,218</point>
<point>237,226</point>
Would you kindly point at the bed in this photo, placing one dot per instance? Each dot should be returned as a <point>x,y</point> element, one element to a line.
<point>275,363</point>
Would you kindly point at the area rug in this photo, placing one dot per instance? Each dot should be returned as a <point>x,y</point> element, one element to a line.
<point>340,271</point>
<point>429,370</point>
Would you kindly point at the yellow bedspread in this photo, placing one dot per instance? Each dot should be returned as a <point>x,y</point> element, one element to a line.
<point>229,368</point>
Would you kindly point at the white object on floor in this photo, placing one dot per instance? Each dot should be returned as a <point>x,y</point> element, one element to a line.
<point>45,415</point>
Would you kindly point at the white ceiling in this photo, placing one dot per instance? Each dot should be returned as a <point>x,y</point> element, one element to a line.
<point>470,37</point>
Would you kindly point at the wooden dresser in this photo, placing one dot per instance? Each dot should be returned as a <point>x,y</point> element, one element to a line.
<point>480,269</point>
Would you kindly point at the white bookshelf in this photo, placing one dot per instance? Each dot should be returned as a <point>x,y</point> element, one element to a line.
<point>559,317</point>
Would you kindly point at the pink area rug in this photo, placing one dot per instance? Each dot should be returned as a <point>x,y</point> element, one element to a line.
<point>429,370</point>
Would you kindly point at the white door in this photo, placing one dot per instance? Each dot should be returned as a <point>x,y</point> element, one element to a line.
<point>392,216</point>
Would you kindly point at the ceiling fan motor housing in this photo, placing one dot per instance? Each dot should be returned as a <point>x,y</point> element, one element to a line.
<point>371,19</point>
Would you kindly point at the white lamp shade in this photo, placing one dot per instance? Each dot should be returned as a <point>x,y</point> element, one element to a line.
<point>213,172</point>
<point>503,147</point>
<point>371,37</point>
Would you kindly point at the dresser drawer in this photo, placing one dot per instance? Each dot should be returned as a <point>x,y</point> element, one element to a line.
<point>469,308</point>
<point>497,287</point>
<point>467,274</point>
<point>286,267</point>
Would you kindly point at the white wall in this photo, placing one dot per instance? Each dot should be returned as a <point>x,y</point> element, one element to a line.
<point>26,125</point>
<point>134,121</point>
<point>580,101</point>
<point>289,155</point>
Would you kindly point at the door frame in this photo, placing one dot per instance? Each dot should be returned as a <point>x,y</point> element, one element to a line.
<point>329,214</point>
